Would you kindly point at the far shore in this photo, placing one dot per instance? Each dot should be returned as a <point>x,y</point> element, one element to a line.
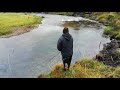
<point>13,24</point>
<point>19,30</point>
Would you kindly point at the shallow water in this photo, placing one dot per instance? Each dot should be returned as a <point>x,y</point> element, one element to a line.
<point>28,55</point>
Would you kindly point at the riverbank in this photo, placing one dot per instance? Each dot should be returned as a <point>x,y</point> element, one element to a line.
<point>93,68</point>
<point>110,54</point>
<point>110,19</point>
<point>85,68</point>
<point>12,24</point>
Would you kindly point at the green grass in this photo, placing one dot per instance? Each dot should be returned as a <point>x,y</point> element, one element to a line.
<point>5,32</point>
<point>109,30</point>
<point>85,68</point>
<point>9,20</point>
<point>111,19</point>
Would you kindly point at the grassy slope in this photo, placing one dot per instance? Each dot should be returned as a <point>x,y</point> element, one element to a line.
<point>111,20</point>
<point>86,68</point>
<point>9,20</point>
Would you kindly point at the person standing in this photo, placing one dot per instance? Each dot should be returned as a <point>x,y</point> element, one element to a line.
<point>65,45</point>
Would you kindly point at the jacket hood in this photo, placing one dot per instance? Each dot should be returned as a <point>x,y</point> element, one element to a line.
<point>67,36</point>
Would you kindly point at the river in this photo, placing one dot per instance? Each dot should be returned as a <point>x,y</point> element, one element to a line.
<point>28,55</point>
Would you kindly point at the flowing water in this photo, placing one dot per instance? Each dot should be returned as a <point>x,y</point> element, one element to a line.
<point>28,55</point>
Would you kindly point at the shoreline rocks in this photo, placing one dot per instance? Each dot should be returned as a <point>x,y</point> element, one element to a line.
<point>110,55</point>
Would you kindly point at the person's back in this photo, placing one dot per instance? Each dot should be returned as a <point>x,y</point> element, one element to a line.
<point>65,45</point>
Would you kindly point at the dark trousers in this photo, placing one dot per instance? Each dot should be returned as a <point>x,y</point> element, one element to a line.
<point>67,60</point>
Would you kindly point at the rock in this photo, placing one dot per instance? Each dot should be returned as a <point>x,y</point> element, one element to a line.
<point>110,55</point>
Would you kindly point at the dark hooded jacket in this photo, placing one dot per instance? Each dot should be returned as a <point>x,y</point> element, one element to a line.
<point>65,45</point>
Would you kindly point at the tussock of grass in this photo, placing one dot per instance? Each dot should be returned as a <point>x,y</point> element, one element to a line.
<point>9,20</point>
<point>85,68</point>
<point>109,31</point>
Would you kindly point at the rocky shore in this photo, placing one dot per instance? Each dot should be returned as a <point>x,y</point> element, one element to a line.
<point>110,55</point>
